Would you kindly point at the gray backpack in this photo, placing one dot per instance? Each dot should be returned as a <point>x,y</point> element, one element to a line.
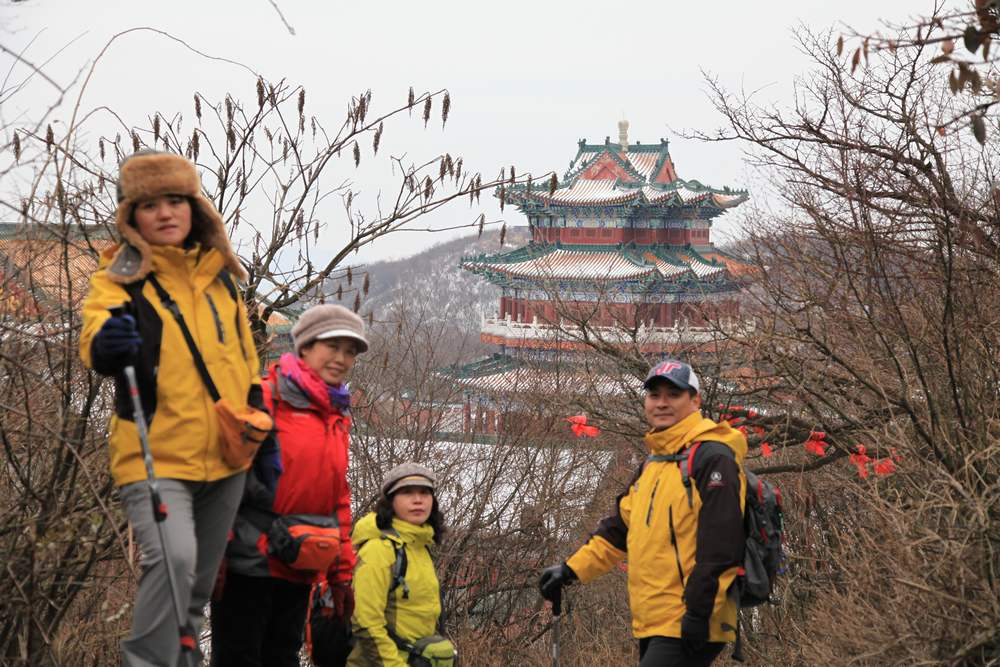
<point>762,524</point>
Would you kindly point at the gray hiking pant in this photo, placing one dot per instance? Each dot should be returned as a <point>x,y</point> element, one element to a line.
<point>199,517</point>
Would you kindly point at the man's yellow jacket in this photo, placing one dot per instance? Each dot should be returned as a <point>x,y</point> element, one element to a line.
<point>683,549</point>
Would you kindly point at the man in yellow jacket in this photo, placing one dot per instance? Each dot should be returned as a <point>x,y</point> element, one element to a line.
<point>680,523</point>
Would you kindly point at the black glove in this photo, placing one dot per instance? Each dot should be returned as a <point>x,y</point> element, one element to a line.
<point>255,398</point>
<point>116,345</point>
<point>553,579</point>
<point>694,633</point>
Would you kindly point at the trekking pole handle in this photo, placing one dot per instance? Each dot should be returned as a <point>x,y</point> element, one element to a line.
<point>557,603</point>
<point>139,416</point>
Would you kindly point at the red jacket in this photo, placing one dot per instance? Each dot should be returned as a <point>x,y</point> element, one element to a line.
<point>313,438</point>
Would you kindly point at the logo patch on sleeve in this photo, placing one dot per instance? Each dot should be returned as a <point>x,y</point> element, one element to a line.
<point>715,480</point>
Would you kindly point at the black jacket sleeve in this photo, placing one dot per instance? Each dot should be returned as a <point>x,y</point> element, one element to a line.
<point>612,527</point>
<point>720,538</point>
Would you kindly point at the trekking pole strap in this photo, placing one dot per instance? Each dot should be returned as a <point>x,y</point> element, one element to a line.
<point>738,644</point>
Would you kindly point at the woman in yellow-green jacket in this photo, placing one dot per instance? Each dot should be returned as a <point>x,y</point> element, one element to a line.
<point>397,594</point>
<point>174,238</point>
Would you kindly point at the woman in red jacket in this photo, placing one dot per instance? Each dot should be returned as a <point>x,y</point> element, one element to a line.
<point>295,489</point>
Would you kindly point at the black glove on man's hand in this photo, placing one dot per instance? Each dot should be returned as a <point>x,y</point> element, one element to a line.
<point>553,579</point>
<point>694,633</point>
<point>116,345</point>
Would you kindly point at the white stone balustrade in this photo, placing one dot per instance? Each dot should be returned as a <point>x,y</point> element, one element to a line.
<point>679,333</point>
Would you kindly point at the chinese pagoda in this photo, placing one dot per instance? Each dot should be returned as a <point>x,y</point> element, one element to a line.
<point>621,239</point>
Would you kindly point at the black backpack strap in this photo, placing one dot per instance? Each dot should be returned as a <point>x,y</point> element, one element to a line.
<point>708,449</point>
<point>683,459</point>
<point>440,623</point>
<point>275,394</point>
<point>398,567</point>
<point>691,458</point>
<point>134,289</point>
<point>398,572</point>
<point>171,305</point>
<point>150,327</point>
<point>671,458</point>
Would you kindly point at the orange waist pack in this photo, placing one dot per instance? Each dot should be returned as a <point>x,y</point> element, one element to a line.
<point>241,431</point>
<point>304,541</point>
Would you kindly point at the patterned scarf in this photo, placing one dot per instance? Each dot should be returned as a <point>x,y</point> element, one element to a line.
<point>296,371</point>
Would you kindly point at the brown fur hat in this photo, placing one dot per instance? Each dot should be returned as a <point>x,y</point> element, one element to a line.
<point>148,174</point>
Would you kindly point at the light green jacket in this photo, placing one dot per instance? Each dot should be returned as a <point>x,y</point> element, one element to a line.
<point>413,615</point>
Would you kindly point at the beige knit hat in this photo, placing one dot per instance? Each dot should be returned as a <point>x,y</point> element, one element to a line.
<point>329,321</point>
<point>408,474</point>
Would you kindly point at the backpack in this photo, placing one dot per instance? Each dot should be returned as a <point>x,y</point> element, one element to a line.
<point>764,529</point>
<point>762,526</point>
<point>329,642</point>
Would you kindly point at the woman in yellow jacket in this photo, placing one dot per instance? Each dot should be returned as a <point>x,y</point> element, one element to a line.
<point>396,591</point>
<point>172,238</point>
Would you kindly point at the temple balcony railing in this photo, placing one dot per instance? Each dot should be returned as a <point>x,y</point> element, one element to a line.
<point>681,332</point>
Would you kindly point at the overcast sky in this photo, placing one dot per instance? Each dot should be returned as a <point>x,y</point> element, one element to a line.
<point>527,79</point>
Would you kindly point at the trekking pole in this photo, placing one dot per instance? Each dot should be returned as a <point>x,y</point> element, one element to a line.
<point>185,633</point>
<point>556,621</point>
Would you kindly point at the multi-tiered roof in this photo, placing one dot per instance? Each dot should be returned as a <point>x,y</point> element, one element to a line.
<point>620,230</point>
<point>620,214</point>
<point>626,176</point>
<point>585,262</point>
